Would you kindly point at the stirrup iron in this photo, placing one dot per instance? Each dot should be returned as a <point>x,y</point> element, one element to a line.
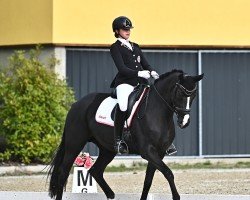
<point>122,144</point>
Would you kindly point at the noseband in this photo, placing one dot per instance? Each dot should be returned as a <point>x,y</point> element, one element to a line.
<point>187,93</point>
<point>175,109</point>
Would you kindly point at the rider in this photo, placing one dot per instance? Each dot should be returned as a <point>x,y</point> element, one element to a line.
<point>133,69</point>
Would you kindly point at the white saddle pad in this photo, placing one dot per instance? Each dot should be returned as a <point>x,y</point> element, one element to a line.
<point>103,114</point>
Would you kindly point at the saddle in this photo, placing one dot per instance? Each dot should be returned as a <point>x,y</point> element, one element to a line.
<point>106,111</point>
<point>133,97</point>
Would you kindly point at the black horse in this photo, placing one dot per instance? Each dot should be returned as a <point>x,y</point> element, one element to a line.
<point>151,133</point>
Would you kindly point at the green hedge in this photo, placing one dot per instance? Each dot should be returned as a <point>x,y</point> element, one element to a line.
<point>33,107</point>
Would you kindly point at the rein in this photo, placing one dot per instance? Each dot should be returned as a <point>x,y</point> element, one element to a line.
<point>152,85</point>
<point>166,103</point>
<point>173,108</point>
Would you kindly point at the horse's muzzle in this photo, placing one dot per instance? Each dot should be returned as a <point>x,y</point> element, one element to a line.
<point>184,121</point>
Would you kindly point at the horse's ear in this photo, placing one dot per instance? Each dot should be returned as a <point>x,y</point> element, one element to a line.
<point>198,78</point>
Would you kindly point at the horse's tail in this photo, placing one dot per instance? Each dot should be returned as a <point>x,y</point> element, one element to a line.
<point>53,172</point>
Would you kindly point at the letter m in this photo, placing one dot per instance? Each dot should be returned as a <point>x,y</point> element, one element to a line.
<point>80,176</point>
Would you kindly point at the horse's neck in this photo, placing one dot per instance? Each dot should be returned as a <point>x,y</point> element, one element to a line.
<point>158,103</point>
<point>159,119</point>
<point>164,88</point>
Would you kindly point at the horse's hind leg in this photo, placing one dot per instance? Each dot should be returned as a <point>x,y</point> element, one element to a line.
<point>74,142</point>
<point>97,170</point>
<point>148,181</point>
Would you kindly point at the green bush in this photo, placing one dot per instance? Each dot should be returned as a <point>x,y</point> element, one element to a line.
<point>33,107</point>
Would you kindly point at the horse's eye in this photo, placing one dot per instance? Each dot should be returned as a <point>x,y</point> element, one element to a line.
<point>181,94</point>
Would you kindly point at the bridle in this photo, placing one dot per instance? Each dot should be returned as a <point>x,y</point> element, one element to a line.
<point>174,108</point>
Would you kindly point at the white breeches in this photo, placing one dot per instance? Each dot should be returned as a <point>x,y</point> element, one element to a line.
<point>123,91</point>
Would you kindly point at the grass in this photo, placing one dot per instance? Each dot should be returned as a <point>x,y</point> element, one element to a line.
<point>202,165</point>
<point>137,166</point>
<point>141,166</point>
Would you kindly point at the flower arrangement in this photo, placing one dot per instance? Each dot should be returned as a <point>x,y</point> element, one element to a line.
<point>84,160</point>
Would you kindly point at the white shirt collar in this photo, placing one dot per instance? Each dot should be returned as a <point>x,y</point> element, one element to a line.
<point>125,42</point>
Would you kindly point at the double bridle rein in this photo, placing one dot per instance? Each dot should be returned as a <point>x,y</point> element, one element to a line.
<point>174,108</point>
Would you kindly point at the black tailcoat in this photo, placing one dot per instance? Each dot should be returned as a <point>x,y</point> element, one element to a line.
<point>128,64</point>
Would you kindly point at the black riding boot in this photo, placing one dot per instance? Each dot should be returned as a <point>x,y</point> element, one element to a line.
<point>120,145</point>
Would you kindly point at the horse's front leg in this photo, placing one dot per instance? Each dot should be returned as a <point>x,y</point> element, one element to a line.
<point>152,156</point>
<point>148,181</point>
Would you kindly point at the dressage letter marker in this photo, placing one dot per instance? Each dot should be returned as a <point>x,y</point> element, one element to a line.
<point>83,182</point>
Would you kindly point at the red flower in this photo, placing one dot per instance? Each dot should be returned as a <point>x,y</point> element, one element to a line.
<point>84,160</point>
<point>88,162</point>
<point>79,161</point>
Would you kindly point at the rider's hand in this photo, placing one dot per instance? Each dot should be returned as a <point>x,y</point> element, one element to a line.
<point>144,74</point>
<point>154,74</point>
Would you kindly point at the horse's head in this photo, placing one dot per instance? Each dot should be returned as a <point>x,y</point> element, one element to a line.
<point>183,95</point>
<point>178,91</point>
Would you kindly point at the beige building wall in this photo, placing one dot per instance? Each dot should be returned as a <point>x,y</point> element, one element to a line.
<point>158,23</point>
<point>25,22</point>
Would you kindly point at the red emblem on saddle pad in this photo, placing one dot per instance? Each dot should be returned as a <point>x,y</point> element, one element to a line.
<point>102,117</point>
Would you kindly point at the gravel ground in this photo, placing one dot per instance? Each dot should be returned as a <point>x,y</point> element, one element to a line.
<point>191,181</point>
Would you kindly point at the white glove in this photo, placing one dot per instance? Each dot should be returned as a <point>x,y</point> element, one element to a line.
<point>154,74</point>
<point>144,74</point>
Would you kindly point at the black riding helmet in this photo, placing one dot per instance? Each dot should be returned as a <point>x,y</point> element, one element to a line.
<point>121,22</point>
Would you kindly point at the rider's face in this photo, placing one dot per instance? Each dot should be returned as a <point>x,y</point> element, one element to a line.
<point>124,33</point>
